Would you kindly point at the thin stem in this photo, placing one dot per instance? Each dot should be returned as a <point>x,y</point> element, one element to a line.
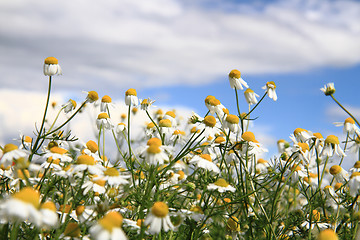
<point>343,108</point>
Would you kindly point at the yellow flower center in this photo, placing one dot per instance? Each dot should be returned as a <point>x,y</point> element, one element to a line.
<point>209,121</point>
<point>99,182</point>
<point>248,136</point>
<point>145,102</point>
<point>214,102</point>
<point>248,91</point>
<point>318,135</point>
<point>53,161</point>
<point>299,130</point>
<point>208,98</point>
<point>131,92</point>
<point>139,222</point>
<point>103,116</point>
<point>327,234</point>
<point>134,110</point>
<point>233,119</point>
<point>355,174</point>
<point>106,99</point>
<point>219,140</point>
<point>332,139</point>
<point>261,161</point>
<point>153,149</point>
<point>49,205</point>
<point>196,209</point>
<point>235,74</point>
<point>181,175</point>
<point>349,120</point>
<point>9,147</point>
<point>316,215</point>
<point>221,182</point>
<point>93,96</point>
<point>113,172</point>
<point>357,164</point>
<point>112,219</point>
<point>160,209</point>
<point>337,186</point>
<point>27,139</point>
<point>165,123</point>
<point>233,224</point>
<point>85,159</point>
<point>92,146</point>
<point>72,230</point>
<point>73,103</point>
<point>335,169</point>
<point>206,157</point>
<point>150,125</point>
<point>170,113</point>
<point>271,84</point>
<point>225,110</point>
<point>28,195</point>
<point>58,150</point>
<point>179,132</point>
<point>194,130</point>
<point>303,146</point>
<point>51,60</point>
<point>79,210</point>
<point>154,141</point>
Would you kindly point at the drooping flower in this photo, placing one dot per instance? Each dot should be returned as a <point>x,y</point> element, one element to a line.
<point>103,120</point>
<point>105,103</point>
<point>108,227</point>
<point>270,88</point>
<point>131,98</point>
<point>349,126</point>
<point>236,81</point>
<point>158,218</point>
<point>221,185</point>
<point>69,106</point>
<point>52,67</point>
<point>250,96</point>
<point>328,89</point>
<point>332,145</point>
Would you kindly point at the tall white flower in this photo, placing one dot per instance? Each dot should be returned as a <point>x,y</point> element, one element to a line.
<point>131,98</point>
<point>52,67</point>
<point>236,81</point>
<point>158,218</point>
<point>270,88</point>
<point>250,96</point>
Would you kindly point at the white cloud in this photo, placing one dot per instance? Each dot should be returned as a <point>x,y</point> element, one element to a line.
<point>339,114</point>
<point>123,44</point>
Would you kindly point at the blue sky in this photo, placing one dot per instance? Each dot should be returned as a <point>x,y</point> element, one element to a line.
<point>178,52</point>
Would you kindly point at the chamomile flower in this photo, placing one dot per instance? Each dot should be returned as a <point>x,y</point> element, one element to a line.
<point>355,145</point>
<point>105,103</point>
<point>209,126</point>
<point>11,152</point>
<point>232,123</point>
<point>146,103</point>
<point>23,206</point>
<point>331,147</point>
<point>49,216</point>
<point>270,88</point>
<point>221,185</point>
<point>103,120</point>
<point>339,174</point>
<point>97,186</point>
<point>69,106</point>
<point>356,167</point>
<point>92,96</point>
<point>154,155</point>
<point>236,81</point>
<point>348,126</point>
<point>158,218</point>
<point>214,106</point>
<point>301,135</point>
<point>354,184</point>
<point>250,96</point>
<point>113,177</point>
<point>328,89</point>
<point>52,67</point>
<point>108,227</point>
<point>86,162</point>
<point>171,116</point>
<point>204,161</point>
<point>327,234</point>
<point>57,153</point>
<point>131,98</point>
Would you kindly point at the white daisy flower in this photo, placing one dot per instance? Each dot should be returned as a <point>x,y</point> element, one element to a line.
<point>354,184</point>
<point>11,152</point>
<point>103,120</point>
<point>69,106</point>
<point>270,88</point>
<point>339,174</point>
<point>158,218</point>
<point>328,89</point>
<point>52,67</point>
<point>92,96</point>
<point>250,96</point>
<point>232,123</point>
<point>108,228</point>
<point>221,185</point>
<point>236,81</point>
<point>57,153</point>
<point>349,126</point>
<point>113,178</point>
<point>131,98</point>
<point>204,161</point>
<point>214,106</point>
<point>86,162</point>
<point>49,216</point>
<point>331,146</point>
<point>105,103</point>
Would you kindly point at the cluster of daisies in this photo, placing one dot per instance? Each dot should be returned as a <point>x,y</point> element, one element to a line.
<point>182,178</point>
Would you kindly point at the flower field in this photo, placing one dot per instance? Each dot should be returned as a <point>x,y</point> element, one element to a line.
<point>183,177</point>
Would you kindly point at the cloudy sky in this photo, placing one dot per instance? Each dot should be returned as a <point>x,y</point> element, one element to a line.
<point>178,52</point>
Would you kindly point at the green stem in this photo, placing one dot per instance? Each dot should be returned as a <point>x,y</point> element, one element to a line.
<point>343,108</point>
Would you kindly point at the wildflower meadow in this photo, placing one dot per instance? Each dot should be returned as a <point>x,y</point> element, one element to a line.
<point>183,177</point>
